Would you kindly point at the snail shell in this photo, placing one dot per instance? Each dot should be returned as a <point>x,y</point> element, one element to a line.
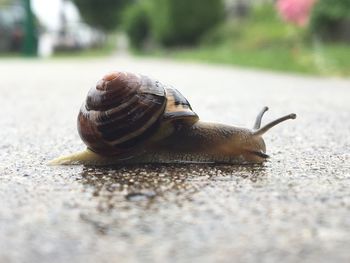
<point>125,110</point>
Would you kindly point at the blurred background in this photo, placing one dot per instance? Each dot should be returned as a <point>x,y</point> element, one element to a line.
<point>303,36</point>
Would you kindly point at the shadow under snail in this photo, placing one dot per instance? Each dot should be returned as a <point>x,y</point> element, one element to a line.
<point>130,118</point>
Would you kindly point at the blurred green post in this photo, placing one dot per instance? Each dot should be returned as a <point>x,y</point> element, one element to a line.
<point>30,41</point>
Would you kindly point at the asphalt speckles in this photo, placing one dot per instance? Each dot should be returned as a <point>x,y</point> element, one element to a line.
<point>293,208</point>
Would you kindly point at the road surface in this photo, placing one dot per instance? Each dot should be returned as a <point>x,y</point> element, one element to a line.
<point>294,208</point>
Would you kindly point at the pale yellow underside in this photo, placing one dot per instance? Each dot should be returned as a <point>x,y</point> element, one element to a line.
<point>86,157</point>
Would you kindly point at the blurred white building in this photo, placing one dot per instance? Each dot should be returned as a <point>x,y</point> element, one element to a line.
<point>63,28</point>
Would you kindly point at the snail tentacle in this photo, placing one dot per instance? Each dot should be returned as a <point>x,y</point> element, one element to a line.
<point>268,126</point>
<point>259,118</point>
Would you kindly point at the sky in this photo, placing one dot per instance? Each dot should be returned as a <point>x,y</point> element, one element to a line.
<point>48,12</point>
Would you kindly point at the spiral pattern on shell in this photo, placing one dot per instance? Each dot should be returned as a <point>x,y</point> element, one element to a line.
<point>120,112</point>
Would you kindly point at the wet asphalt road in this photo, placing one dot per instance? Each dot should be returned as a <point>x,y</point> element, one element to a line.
<point>294,208</point>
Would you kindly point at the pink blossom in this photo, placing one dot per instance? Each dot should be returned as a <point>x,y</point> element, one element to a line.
<point>295,11</point>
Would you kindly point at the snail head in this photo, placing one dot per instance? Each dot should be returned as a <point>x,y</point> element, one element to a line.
<point>251,143</point>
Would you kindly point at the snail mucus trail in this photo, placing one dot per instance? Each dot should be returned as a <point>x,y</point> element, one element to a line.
<point>130,118</point>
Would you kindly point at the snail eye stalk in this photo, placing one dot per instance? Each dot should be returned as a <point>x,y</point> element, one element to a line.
<point>259,118</point>
<point>268,126</point>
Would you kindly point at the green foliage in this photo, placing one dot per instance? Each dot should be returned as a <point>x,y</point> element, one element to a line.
<point>102,14</point>
<point>263,29</point>
<point>263,40</point>
<point>331,19</point>
<point>136,24</point>
<point>183,22</point>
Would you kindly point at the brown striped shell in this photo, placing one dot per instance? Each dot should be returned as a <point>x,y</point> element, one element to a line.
<point>124,110</point>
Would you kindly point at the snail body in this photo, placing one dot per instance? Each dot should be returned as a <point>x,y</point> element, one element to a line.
<point>130,118</point>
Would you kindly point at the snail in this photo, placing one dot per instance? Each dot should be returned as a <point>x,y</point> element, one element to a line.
<point>131,118</point>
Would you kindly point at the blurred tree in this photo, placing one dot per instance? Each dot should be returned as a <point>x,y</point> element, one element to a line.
<point>183,22</point>
<point>136,23</point>
<point>331,19</point>
<point>102,14</point>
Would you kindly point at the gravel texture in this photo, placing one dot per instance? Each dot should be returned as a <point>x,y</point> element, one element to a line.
<point>294,208</point>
